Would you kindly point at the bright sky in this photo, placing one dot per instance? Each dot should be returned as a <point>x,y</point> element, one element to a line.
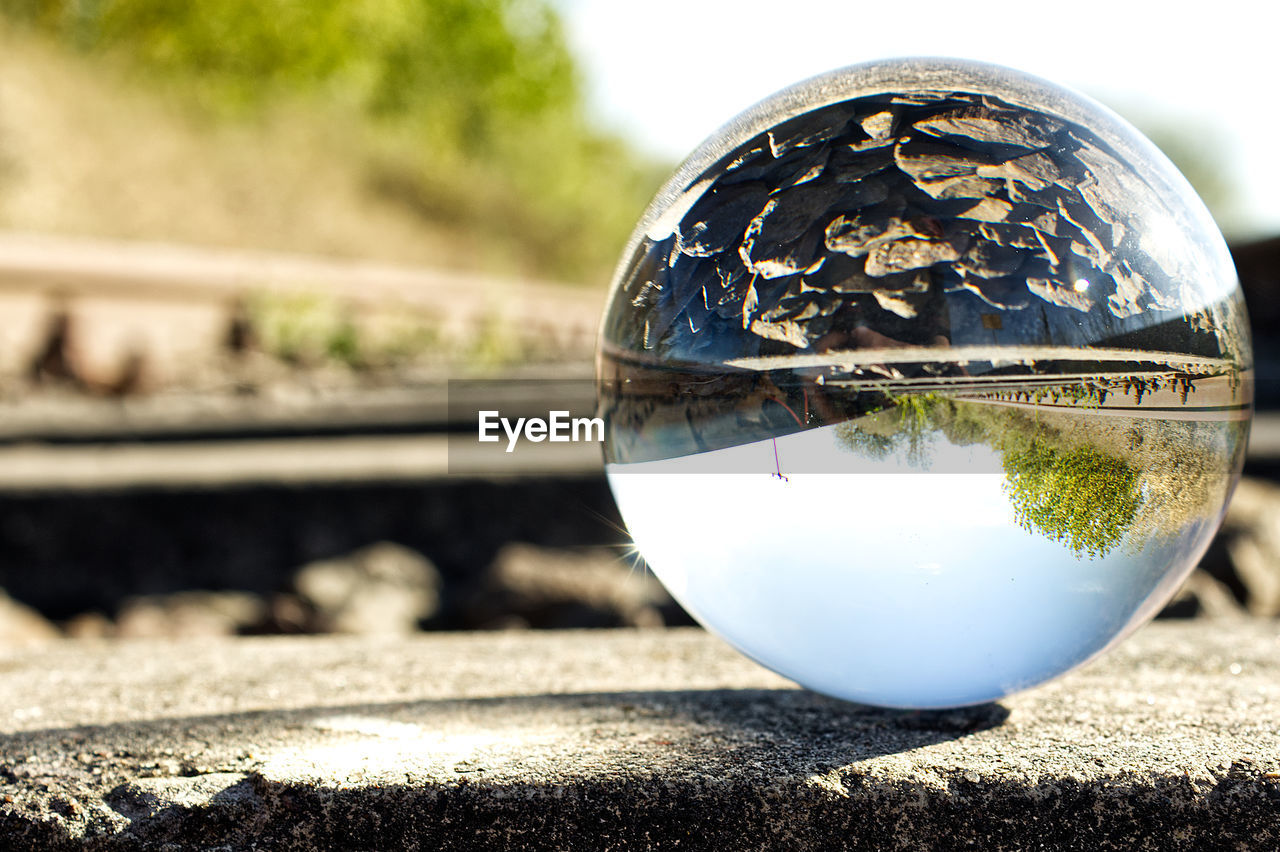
<point>669,72</point>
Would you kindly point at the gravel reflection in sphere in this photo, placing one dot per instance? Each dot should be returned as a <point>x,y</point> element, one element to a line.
<point>924,381</point>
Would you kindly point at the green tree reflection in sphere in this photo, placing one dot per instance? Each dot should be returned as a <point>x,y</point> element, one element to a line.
<point>924,381</point>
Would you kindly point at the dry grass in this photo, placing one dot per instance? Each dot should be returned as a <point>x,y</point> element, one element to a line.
<point>84,150</point>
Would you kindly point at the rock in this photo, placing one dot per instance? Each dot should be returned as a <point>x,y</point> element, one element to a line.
<point>991,127</point>
<point>804,171</point>
<point>988,210</point>
<point>986,259</point>
<point>188,614</point>
<point>856,234</point>
<point>796,306</point>
<point>758,165</point>
<point>1091,230</point>
<point>1034,171</point>
<point>1109,185</point>
<point>909,253</point>
<point>89,625</point>
<point>878,125</point>
<point>1002,293</point>
<point>1202,596</point>
<point>730,298</point>
<point>747,156</point>
<point>843,275</point>
<point>1046,199</point>
<point>1055,293</point>
<point>850,163</point>
<point>784,331</point>
<point>983,193</point>
<point>930,161</point>
<point>22,625</point>
<point>1091,252</point>
<point>1256,566</point>
<point>960,186</point>
<point>774,260</point>
<point>1252,535</point>
<point>528,586</point>
<point>1131,288</point>
<point>383,588</point>
<point>717,221</point>
<point>808,129</point>
<point>903,306</point>
<point>682,286</point>
<point>793,211</point>
<point>698,310</point>
<point>287,613</point>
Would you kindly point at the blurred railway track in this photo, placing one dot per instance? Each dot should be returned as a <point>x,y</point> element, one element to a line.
<point>209,440</point>
<point>404,435</point>
<point>173,306</point>
<point>176,303</point>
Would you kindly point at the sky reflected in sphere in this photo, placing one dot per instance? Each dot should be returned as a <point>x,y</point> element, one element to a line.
<point>884,582</point>
<point>924,382</point>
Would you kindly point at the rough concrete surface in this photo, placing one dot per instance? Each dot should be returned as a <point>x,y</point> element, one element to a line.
<point>623,740</point>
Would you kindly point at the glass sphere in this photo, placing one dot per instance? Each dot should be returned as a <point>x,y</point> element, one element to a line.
<point>924,381</point>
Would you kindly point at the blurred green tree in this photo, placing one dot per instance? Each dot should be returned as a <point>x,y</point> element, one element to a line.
<point>459,63</point>
<point>1081,497</point>
<point>473,109</point>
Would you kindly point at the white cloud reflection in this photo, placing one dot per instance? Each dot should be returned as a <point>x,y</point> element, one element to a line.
<point>890,587</point>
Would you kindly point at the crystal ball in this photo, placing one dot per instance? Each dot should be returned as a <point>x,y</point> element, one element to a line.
<point>924,381</point>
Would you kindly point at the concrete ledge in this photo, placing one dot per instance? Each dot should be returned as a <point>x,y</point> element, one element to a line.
<point>623,740</point>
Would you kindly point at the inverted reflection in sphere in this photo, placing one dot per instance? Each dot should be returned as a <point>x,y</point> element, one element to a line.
<point>924,381</point>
